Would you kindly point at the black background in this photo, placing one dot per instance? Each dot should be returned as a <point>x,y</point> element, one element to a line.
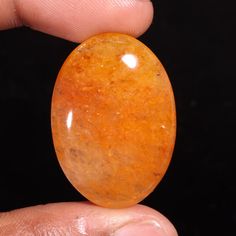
<point>195,40</point>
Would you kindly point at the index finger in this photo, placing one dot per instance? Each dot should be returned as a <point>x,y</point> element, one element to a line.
<point>77,20</point>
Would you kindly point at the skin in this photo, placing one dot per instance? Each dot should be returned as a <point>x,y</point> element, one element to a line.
<point>125,16</point>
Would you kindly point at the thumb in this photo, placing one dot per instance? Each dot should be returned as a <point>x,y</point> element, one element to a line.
<point>84,219</point>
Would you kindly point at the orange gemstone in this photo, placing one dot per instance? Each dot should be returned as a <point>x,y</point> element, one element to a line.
<point>113,120</point>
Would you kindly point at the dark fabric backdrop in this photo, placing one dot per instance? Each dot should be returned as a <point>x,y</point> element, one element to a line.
<point>195,40</point>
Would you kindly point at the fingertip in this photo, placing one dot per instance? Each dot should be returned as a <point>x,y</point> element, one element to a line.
<point>77,20</point>
<point>131,17</point>
<point>139,18</point>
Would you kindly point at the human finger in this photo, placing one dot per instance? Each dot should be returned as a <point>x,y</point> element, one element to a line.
<point>76,20</point>
<point>85,219</point>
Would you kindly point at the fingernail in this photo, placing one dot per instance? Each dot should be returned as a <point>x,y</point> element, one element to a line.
<point>148,228</point>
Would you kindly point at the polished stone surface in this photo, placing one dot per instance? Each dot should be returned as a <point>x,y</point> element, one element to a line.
<point>113,120</point>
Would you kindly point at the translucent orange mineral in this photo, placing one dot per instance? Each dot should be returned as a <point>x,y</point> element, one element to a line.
<point>113,120</point>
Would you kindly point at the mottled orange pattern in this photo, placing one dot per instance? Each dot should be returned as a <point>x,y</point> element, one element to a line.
<point>113,120</point>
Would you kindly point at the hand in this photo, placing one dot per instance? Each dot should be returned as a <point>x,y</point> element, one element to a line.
<point>76,20</point>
